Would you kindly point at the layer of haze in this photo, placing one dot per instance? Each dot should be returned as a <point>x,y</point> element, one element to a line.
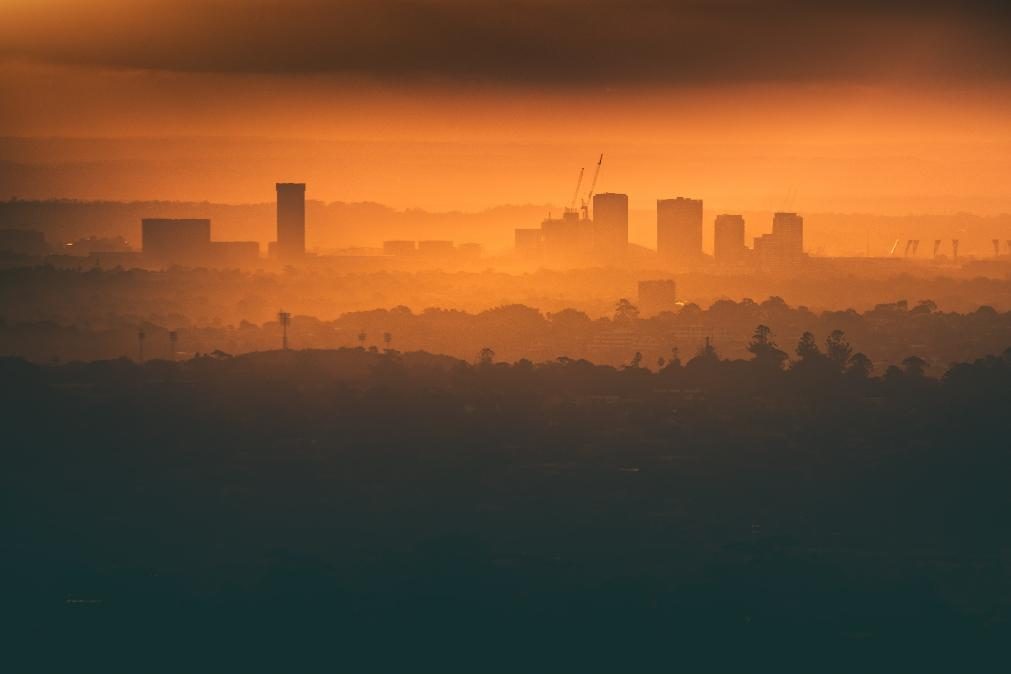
<point>464,105</point>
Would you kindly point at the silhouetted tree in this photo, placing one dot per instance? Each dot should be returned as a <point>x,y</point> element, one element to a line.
<point>914,366</point>
<point>361,339</point>
<point>838,349</point>
<point>690,312</point>
<point>636,360</point>
<point>860,366</point>
<point>486,356</point>
<point>807,348</point>
<point>764,349</point>
<point>387,339</point>
<point>624,311</point>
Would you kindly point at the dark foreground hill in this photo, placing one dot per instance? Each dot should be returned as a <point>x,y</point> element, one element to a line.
<point>348,511</point>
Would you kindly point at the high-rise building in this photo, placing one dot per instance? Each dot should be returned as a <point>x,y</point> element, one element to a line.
<point>789,230</point>
<point>290,221</point>
<point>679,230</point>
<point>728,239</point>
<point>183,241</point>
<point>785,246</point>
<point>610,226</point>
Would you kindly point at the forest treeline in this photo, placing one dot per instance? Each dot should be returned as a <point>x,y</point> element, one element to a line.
<point>345,494</point>
<point>200,297</point>
<point>888,333</point>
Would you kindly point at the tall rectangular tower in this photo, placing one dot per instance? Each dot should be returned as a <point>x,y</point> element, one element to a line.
<point>290,221</point>
<point>728,239</point>
<point>610,226</point>
<point>788,228</point>
<point>679,230</point>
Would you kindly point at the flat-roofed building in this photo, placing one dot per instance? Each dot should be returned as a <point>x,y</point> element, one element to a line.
<point>679,231</point>
<point>567,241</point>
<point>234,253</point>
<point>789,230</point>
<point>610,226</point>
<point>436,250</point>
<point>290,221</point>
<point>728,240</point>
<point>784,246</point>
<point>400,248</point>
<point>176,241</point>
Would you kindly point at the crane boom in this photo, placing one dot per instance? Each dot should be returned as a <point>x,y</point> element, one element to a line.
<point>593,187</point>
<point>575,194</point>
<point>596,174</point>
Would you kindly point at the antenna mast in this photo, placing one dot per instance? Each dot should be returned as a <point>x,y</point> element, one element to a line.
<point>284,318</point>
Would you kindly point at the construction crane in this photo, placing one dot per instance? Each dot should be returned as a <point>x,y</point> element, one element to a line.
<point>575,194</point>
<point>593,187</point>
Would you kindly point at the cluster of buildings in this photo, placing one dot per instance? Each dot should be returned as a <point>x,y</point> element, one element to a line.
<point>187,241</point>
<point>576,239</point>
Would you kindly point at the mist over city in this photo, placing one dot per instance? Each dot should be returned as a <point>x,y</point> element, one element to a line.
<point>505,336</point>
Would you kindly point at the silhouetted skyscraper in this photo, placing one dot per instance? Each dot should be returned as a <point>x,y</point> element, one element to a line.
<point>679,230</point>
<point>728,239</point>
<point>290,221</point>
<point>788,228</point>
<point>610,226</point>
<point>785,246</point>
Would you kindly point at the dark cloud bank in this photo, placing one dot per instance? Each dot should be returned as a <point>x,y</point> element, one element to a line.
<point>535,42</point>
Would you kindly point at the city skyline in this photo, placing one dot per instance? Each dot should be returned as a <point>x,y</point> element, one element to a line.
<point>474,336</point>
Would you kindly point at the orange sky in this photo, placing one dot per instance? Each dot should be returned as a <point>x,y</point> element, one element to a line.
<point>744,103</point>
